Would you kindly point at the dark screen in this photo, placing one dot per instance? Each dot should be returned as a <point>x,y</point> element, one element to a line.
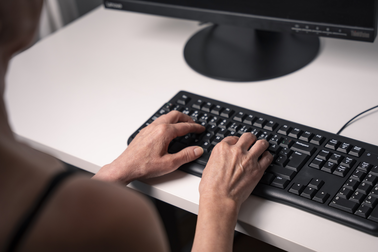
<point>359,13</point>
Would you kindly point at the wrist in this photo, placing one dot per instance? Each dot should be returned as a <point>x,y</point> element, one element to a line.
<point>220,207</point>
<point>114,172</point>
<point>215,224</point>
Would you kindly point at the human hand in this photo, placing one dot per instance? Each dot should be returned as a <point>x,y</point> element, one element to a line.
<point>234,170</point>
<point>231,174</point>
<point>147,155</point>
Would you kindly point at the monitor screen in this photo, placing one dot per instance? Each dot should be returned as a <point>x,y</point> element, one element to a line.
<point>272,23</point>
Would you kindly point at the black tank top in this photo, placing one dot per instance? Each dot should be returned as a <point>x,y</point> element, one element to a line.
<point>30,216</point>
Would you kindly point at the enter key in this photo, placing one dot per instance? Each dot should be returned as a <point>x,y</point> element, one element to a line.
<point>296,161</point>
<point>303,148</point>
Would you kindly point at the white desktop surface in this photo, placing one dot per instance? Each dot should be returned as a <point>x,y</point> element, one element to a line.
<point>81,92</point>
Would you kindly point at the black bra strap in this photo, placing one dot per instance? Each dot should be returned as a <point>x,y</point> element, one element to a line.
<point>30,217</point>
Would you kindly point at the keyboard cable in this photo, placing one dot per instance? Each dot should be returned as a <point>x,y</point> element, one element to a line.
<point>350,121</point>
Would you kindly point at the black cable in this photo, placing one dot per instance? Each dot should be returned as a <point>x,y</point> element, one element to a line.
<point>347,124</point>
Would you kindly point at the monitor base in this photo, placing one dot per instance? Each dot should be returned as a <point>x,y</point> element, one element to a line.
<point>241,55</point>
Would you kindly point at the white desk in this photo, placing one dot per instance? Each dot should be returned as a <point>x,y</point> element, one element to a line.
<point>76,94</point>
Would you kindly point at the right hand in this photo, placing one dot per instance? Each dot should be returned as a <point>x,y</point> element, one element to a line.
<point>234,169</point>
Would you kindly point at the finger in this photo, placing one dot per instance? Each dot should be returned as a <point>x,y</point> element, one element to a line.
<point>258,148</point>
<point>246,140</point>
<point>175,117</point>
<point>186,155</point>
<point>231,140</point>
<point>181,129</point>
<point>265,160</point>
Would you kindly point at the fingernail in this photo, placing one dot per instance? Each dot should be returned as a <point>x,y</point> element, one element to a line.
<point>198,151</point>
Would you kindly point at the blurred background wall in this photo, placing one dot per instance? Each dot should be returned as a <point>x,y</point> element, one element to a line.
<point>58,13</point>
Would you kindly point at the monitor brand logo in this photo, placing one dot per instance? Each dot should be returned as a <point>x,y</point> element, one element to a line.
<point>360,34</point>
<point>113,5</point>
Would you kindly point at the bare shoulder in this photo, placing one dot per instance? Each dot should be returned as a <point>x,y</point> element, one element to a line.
<point>89,214</point>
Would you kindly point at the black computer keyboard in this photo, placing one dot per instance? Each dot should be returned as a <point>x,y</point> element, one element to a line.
<point>320,172</point>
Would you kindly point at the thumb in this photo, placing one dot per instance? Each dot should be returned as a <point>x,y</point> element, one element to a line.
<point>187,155</point>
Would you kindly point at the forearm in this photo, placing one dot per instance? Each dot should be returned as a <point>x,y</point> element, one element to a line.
<point>215,226</point>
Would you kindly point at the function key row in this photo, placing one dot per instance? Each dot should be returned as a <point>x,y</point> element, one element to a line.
<point>345,148</point>
<point>301,135</point>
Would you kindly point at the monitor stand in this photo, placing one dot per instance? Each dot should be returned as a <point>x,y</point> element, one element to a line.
<point>238,54</point>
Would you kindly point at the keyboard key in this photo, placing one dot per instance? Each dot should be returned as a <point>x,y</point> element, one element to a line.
<point>280,182</point>
<point>344,204</point>
<point>332,144</point>
<point>317,139</point>
<point>371,201</point>
<point>306,136</point>
<point>286,142</point>
<point>344,148</point>
<point>275,139</point>
<point>321,197</point>
<point>281,172</point>
<point>356,151</point>
<point>222,123</point>
<point>259,123</point>
<point>245,129</point>
<point>239,117</point>
<point>274,148</point>
<point>348,162</point>
<point>294,133</point>
<point>286,152</point>
<point>336,158</point>
<point>317,163</point>
<point>249,119</point>
<point>364,188</point>
<point>357,197</point>
<point>345,193</point>
<point>233,126</point>
<point>284,130</point>
<point>281,160</point>
<point>329,167</point>
<point>216,110</point>
<point>363,211</point>
<point>316,183</point>
<point>374,191</point>
<point>324,154</point>
<point>227,112</point>
<point>271,126</point>
<point>358,175</point>
<point>183,100</point>
<point>297,188</point>
<point>308,192</point>
<point>221,132</point>
<point>374,170</point>
<point>341,171</point>
<point>296,161</point>
<point>197,104</point>
<point>303,148</point>
<point>371,179</point>
<point>374,215</point>
<point>207,107</point>
<point>351,184</point>
<point>364,166</point>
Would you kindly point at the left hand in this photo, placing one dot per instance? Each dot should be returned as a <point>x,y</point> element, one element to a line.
<point>147,155</point>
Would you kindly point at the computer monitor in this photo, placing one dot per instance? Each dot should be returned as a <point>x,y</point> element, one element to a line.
<point>251,40</point>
